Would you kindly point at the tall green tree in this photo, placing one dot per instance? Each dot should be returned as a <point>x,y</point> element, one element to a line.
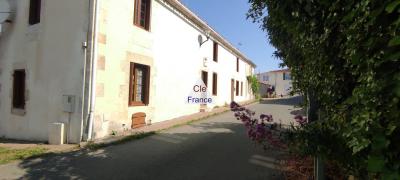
<point>347,52</point>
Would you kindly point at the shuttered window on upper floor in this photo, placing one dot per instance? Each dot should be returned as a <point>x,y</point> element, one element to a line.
<point>237,64</point>
<point>142,14</point>
<point>215,51</point>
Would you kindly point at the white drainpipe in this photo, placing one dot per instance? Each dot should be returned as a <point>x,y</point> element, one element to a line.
<point>93,26</point>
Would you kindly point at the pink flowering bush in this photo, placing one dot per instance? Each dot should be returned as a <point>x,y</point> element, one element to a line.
<point>263,130</point>
<point>299,141</point>
<point>301,120</point>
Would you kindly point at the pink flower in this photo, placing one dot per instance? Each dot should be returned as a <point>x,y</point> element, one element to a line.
<point>300,119</point>
<point>234,105</point>
<point>257,130</point>
<point>267,118</point>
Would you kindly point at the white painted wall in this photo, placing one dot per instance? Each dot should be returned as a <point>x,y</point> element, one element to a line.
<point>52,54</point>
<point>179,62</point>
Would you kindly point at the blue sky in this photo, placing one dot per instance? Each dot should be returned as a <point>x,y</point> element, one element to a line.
<point>228,18</point>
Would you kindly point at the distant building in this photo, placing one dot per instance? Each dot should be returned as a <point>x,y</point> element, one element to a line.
<point>279,80</point>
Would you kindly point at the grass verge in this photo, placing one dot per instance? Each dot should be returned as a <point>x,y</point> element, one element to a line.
<point>141,135</point>
<point>7,155</point>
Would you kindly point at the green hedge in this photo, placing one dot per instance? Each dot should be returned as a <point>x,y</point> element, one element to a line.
<point>347,52</point>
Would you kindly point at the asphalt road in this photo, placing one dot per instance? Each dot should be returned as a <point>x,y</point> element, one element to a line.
<point>214,148</point>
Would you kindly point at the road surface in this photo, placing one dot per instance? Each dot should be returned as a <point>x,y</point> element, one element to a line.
<point>214,148</point>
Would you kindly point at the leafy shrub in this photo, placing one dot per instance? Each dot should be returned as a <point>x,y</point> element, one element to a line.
<point>254,84</point>
<point>346,53</point>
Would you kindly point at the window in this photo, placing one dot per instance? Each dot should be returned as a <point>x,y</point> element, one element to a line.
<point>142,13</point>
<point>139,81</point>
<point>241,88</point>
<point>18,98</point>
<point>204,77</point>
<point>237,64</point>
<point>215,51</point>
<point>34,11</point>
<point>265,78</point>
<point>215,84</point>
<point>237,88</point>
<point>286,76</point>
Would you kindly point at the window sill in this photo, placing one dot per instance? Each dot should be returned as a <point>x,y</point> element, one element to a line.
<point>18,112</point>
<point>136,104</point>
<point>33,28</point>
<point>142,28</point>
<point>33,32</point>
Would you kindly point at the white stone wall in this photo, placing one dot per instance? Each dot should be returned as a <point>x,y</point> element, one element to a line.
<point>172,51</point>
<point>179,62</point>
<point>52,54</point>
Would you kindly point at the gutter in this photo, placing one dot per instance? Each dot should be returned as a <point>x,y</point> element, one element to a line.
<point>90,81</point>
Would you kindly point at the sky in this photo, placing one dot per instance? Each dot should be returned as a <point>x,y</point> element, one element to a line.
<point>228,18</point>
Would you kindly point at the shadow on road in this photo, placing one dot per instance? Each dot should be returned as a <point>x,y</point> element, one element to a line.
<point>298,112</point>
<point>209,150</point>
<point>295,100</point>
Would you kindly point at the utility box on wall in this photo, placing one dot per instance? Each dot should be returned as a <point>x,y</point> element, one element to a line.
<point>68,103</point>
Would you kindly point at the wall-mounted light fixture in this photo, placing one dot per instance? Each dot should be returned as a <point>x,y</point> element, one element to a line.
<point>200,37</point>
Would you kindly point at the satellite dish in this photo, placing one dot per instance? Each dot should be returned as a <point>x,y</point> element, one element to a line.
<point>200,39</point>
<point>5,10</point>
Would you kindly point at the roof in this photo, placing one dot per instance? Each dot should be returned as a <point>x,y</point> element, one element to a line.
<point>281,70</point>
<point>202,24</point>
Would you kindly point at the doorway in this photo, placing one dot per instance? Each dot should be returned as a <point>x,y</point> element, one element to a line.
<point>232,90</point>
